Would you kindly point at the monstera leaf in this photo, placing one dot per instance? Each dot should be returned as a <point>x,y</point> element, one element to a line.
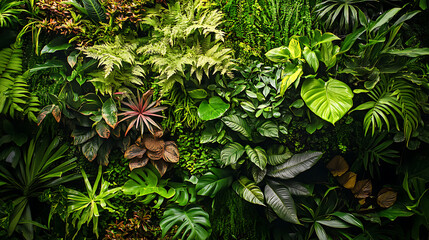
<point>145,181</point>
<point>280,200</point>
<point>295,165</point>
<point>248,190</point>
<point>192,221</point>
<point>212,182</point>
<point>329,100</point>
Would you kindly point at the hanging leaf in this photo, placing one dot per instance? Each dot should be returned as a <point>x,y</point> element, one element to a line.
<point>238,124</point>
<point>192,222</point>
<point>311,58</point>
<point>269,129</point>
<point>134,151</point>
<point>214,108</point>
<point>248,190</point>
<point>258,174</point>
<point>109,112</point>
<point>231,153</point>
<point>278,154</point>
<point>171,152</point>
<point>295,165</point>
<point>280,200</point>
<point>337,166</point>
<point>57,44</point>
<point>386,197</point>
<point>329,100</point>
<point>320,232</point>
<point>81,136</point>
<point>258,156</point>
<point>348,180</point>
<point>212,182</point>
<point>294,48</point>
<point>90,148</point>
<point>362,189</point>
<point>138,163</point>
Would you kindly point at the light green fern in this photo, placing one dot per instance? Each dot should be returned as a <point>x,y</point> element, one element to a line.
<point>15,97</point>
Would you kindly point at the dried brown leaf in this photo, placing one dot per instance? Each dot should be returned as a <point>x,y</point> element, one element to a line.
<point>338,166</point>
<point>386,197</point>
<point>134,151</point>
<point>152,144</point>
<point>138,163</point>
<point>362,189</point>
<point>171,152</point>
<point>348,180</point>
<point>161,166</point>
<point>155,155</point>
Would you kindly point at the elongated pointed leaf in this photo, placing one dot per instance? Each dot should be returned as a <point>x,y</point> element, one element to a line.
<point>295,165</point>
<point>258,174</point>
<point>248,190</point>
<point>94,10</point>
<point>280,200</point>
<point>212,182</point>
<point>258,156</point>
<point>410,52</point>
<point>231,153</point>
<point>349,218</point>
<point>320,232</point>
<point>383,19</point>
<point>329,100</point>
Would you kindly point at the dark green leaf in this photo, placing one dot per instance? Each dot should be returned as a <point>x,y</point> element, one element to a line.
<point>269,129</point>
<point>212,182</point>
<point>231,153</point>
<point>295,165</point>
<point>248,190</point>
<point>258,156</point>
<point>238,124</point>
<point>280,200</point>
<point>110,112</point>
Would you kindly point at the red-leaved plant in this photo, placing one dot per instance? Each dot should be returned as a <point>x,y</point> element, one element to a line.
<point>140,112</point>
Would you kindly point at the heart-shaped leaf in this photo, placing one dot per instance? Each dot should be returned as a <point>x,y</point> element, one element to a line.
<point>280,54</point>
<point>212,109</point>
<point>348,180</point>
<point>329,100</point>
<point>248,190</point>
<point>280,200</point>
<point>295,165</point>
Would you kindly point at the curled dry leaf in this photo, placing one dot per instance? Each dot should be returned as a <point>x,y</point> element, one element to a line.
<point>161,166</point>
<point>139,142</point>
<point>386,197</point>
<point>138,163</point>
<point>134,151</point>
<point>348,180</point>
<point>171,152</point>
<point>155,155</point>
<point>158,133</point>
<point>362,189</point>
<point>337,166</point>
<point>152,144</point>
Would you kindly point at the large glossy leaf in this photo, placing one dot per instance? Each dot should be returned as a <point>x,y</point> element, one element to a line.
<point>193,222</point>
<point>231,153</point>
<point>110,112</point>
<point>320,232</point>
<point>295,165</point>
<point>269,129</point>
<point>94,10</point>
<point>349,218</point>
<point>258,174</point>
<point>90,148</point>
<point>311,58</point>
<point>248,190</point>
<point>280,200</point>
<point>144,181</point>
<point>102,129</point>
<point>280,54</point>
<point>383,19</point>
<point>56,44</point>
<point>214,108</point>
<point>238,124</point>
<point>329,100</point>
<point>258,156</point>
<point>296,188</point>
<point>212,182</point>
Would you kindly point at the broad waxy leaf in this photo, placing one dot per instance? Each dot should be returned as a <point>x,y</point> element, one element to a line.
<point>269,129</point>
<point>290,78</point>
<point>214,108</point>
<point>294,48</point>
<point>337,166</point>
<point>280,200</point>
<point>248,190</point>
<point>231,153</point>
<point>297,164</point>
<point>194,222</point>
<point>94,10</point>
<point>90,148</point>
<point>280,54</point>
<point>110,112</point>
<point>57,44</point>
<point>198,94</point>
<point>296,188</point>
<point>212,182</point>
<point>258,156</point>
<point>238,124</point>
<point>329,100</point>
<point>102,129</point>
<point>311,58</point>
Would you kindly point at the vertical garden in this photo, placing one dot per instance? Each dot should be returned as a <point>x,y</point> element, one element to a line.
<point>214,119</point>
